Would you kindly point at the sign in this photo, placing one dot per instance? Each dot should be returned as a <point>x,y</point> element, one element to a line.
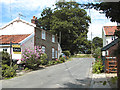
<point>16,46</point>
<point>16,49</point>
<point>103,53</point>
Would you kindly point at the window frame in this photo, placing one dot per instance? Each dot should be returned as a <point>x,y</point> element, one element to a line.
<point>43,34</point>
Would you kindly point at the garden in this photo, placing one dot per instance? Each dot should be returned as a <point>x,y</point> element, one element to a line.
<point>31,60</point>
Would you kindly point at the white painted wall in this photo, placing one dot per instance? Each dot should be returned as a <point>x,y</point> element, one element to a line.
<point>59,50</point>
<point>17,27</point>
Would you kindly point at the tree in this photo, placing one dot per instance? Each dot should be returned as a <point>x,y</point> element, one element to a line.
<point>112,11</point>
<point>71,21</point>
<point>98,42</point>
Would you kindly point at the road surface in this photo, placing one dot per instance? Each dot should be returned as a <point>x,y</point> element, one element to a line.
<point>71,74</point>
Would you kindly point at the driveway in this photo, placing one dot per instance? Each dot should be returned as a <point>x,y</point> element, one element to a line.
<point>71,74</point>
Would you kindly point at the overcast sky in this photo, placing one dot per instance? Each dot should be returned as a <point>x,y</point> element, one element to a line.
<point>9,10</point>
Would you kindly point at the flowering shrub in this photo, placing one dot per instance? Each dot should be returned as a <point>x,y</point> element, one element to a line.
<point>32,58</point>
<point>62,59</point>
<point>98,67</point>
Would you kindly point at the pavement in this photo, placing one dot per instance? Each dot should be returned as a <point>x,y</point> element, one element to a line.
<point>99,81</point>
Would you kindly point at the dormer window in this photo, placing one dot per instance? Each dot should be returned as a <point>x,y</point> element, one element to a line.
<point>43,34</point>
<point>53,38</point>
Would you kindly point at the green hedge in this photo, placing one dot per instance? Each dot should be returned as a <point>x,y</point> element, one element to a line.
<point>67,53</point>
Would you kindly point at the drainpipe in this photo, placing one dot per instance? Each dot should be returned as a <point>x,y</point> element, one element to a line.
<point>10,54</point>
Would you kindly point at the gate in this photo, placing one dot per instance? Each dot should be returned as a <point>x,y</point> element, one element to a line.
<point>111,65</point>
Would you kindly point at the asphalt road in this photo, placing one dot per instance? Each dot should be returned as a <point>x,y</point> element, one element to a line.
<point>71,74</point>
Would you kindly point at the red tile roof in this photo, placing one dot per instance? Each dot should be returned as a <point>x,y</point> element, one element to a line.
<point>109,30</point>
<point>5,39</point>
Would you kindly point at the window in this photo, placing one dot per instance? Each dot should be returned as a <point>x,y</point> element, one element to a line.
<point>56,54</point>
<point>53,38</point>
<point>43,49</point>
<point>43,34</point>
<point>53,53</point>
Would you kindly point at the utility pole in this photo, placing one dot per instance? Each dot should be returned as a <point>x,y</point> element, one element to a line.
<point>10,53</point>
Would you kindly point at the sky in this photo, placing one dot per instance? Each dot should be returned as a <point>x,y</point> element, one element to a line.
<point>9,10</point>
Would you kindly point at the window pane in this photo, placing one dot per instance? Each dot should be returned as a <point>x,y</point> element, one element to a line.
<point>56,54</point>
<point>53,38</point>
<point>43,35</point>
<point>43,49</point>
<point>53,53</point>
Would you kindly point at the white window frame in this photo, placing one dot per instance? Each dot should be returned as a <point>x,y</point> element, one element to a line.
<point>43,34</point>
<point>56,54</point>
<point>53,53</point>
<point>53,38</point>
<point>43,49</point>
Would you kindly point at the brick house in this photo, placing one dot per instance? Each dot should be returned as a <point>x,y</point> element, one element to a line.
<point>45,39</point>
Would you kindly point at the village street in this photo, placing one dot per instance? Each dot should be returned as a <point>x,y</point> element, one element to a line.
<point>71,74</point>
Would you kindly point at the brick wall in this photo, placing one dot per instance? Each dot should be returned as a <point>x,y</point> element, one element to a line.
<point>47,43</point>
<point>112,49</point>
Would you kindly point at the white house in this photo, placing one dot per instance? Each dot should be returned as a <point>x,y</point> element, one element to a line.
<point>21,32</point>
<point>108,34</point>
<point>19,43</point>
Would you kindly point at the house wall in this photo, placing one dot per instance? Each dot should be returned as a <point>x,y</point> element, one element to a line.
<point>112,49</point>
<point>103,37</point>
<point>47,43</point>
<point>17,27</point>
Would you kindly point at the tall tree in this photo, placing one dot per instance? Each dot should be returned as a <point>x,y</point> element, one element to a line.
<point>71,21</point>
<point>98,42</point>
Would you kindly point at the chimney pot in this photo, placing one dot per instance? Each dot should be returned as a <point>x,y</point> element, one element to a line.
<point>33,17</point>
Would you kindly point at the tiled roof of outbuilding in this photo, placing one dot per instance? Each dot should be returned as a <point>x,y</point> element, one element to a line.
<point>6,39</point>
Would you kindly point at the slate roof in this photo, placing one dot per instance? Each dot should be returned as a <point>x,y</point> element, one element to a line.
<point>5,39</point>
<point>110,45</point>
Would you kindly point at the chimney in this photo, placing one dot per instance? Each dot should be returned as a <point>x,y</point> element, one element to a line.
<point>34,20</point>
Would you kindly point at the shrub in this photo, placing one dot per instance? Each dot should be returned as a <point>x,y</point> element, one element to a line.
<point>62,59</point>
<point>32,59</point>
<point>97,53</point>
<point>8,71</point>
<point>98,67</point>
<point>67,53</point>
<point>43,58</point>
<point>5,58</point>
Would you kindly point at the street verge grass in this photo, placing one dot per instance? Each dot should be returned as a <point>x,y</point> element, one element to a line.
<point>82,56</point>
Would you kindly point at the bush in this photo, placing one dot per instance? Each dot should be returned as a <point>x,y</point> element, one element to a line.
<point>43,58</point>
<point>62,59</point>
<point>97,53</point>
<point>8,71</point>
<point>98,67</point>
<point>5,58</point>
<point>67,53</point>
<point>32,59</point>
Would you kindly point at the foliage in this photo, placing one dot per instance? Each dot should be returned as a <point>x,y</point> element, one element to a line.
<point>98,42</point>
<point>98,67</point>
<point>5,58</point>
<point>8,71</point>
<point>43,58</point>
<point>32,59</point>
<point>67,53</point>
<point>68,19</point>
<point>114,79</point>
<point>62,59</point>
<point>97,53</point>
